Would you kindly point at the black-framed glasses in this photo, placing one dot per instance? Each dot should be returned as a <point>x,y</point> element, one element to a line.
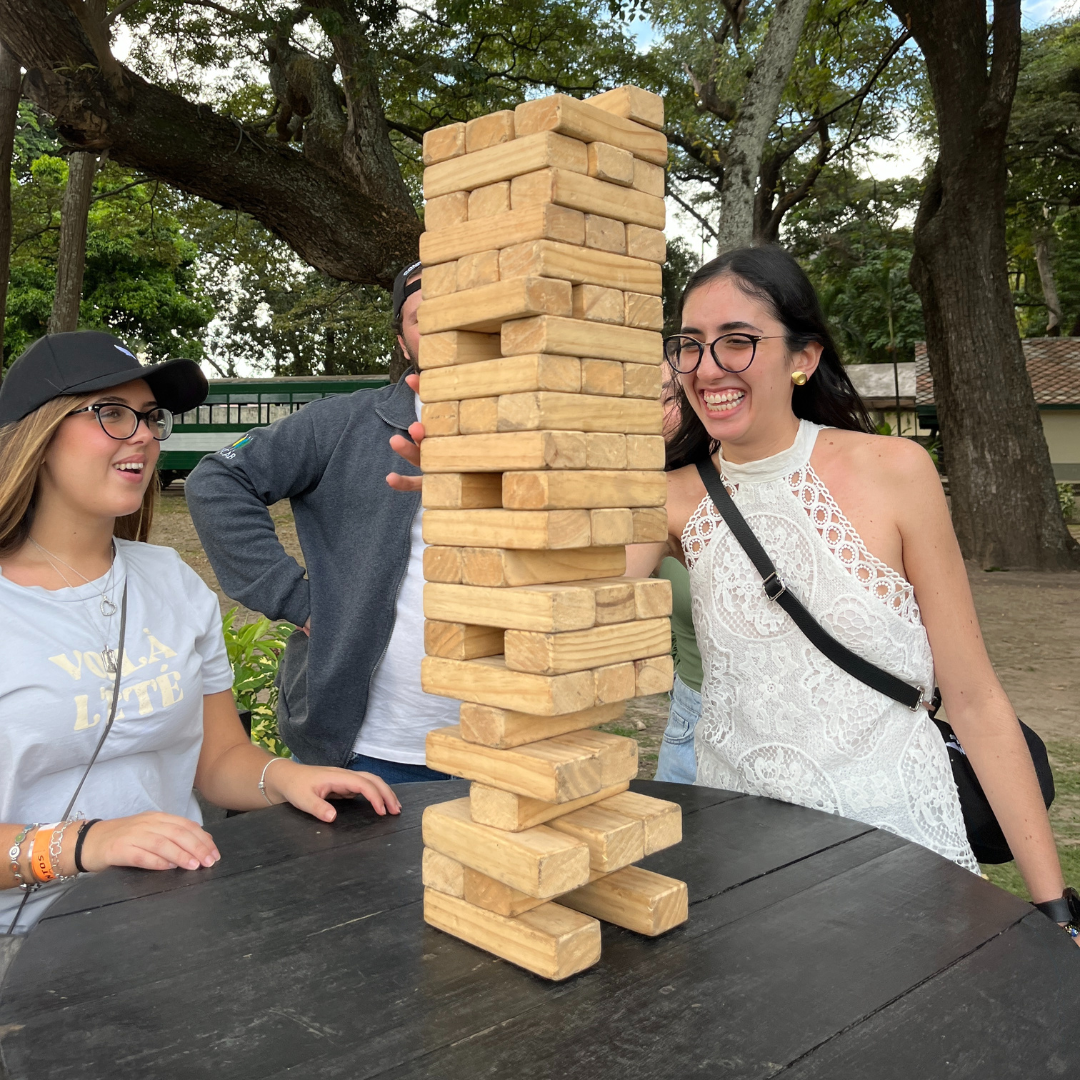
<point>122,421</point>
<point>731,352</point>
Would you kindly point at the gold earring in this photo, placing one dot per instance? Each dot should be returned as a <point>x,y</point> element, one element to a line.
<point>798,378</point>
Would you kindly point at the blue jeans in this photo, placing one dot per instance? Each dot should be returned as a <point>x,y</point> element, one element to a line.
<point>395,772</point>
<point>676,764</point>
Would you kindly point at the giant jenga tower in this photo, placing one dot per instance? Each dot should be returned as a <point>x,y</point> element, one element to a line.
<point>540,354</point>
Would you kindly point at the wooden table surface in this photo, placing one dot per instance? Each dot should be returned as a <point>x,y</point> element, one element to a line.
<point>816,947</point>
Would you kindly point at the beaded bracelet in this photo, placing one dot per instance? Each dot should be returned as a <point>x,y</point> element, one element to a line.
<point>15,853</point>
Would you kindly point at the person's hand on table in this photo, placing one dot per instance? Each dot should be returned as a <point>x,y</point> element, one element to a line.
<point>308,787</point>
<point>410,451</point>
<point>151,841</point>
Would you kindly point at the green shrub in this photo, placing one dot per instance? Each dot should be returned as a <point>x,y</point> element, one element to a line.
<point>254,652</point>
<point>1067,500</point>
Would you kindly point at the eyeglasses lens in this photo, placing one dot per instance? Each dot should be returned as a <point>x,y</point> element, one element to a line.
<point>734,352</point>
<point>121,422</point>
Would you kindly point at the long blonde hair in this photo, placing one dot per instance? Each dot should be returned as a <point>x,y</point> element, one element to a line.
<point>22,451</point>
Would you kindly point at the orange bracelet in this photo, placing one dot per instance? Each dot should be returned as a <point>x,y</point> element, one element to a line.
<point>40,863</point>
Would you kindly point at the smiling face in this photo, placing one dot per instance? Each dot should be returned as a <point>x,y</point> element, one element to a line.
<point>89,473</point>
<point>749,412</point>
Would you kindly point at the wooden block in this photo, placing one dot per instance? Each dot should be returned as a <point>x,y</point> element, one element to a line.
<point>491,895</point>
<point>662,819</point>
<point>457,347</point>
<point>641,381</point>
<point>443,143</point>
<point>649,178</point>
<point>611,163</point>
<point>461,491</point>
<point>488,201</point>
<point>447,210</point>
<point>442,874</point>
<point>461,641</point>
<point>440,419</point>
<point>540,941</point>
<point>538,861</point>
<point>505,810</point>
<point>606,449</point>
<point>614,840</point>
<point>545,530</point>
<point>505,161</point>
<point>652,598</point>
<point>597,304</point>
<point>589,489</point>
<point>579,650</point>
<point>480,269</point>
<point>509,375</point>
<point>614,600</point>
<point>650,525</point>
<point>546,222</point>
<point>642,451</point>
<point>632,103</point>
<point>438,280</point>
<point>603,377</point>
<point>502,569</point>
<point>605,234</point>
<point>615,682</point>
<point>654,675</point>
<point>478,416</point>
<point>571,337</point>
<point>489,130</point>
<point>442,564</point>
<point>502,728</point>
<point>587,194</point>
<point>500,451</point>
<point>488,681</point>
<point>646,312</point>
<point>486,308</point>
<point>590,123</point>
<point>618,755</point>
<point>562,606</point>
<point>611,526</point>
<point>635,899</point>
<point>545,770</point>
<point>581,266</point>
<point>544,410</point>
<point>645,243</point>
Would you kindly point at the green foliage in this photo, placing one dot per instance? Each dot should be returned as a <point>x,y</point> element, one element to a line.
<point>1067,499</point>
<point>254,652</point>
<point>681,263</point>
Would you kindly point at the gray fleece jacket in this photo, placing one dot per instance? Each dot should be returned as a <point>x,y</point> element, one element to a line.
<point>330,460</point>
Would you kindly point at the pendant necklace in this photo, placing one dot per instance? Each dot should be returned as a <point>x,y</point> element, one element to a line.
<point>105,604</point>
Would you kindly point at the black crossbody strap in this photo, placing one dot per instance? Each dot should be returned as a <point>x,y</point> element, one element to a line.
<point>876,678</point>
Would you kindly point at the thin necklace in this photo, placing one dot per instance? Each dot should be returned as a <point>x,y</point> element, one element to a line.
<point>105,605</point>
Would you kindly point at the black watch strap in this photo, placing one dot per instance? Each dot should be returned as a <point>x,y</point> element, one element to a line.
<point>1066,909</point>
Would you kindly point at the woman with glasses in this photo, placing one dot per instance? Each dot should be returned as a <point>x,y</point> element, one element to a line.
<point>115,687</point>
<point>858,528</point>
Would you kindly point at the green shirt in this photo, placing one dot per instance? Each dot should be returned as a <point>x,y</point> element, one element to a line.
<point>684,646</point>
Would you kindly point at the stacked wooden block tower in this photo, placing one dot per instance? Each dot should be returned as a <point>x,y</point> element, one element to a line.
<point>540,360</point>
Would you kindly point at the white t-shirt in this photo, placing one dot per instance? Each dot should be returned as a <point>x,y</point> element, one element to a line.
<point>54,692</point>
<point>399,714</point>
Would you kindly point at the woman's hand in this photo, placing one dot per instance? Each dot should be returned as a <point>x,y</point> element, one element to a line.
<point>410,451</point>
<point>152,841</point>
<point>308,787</point>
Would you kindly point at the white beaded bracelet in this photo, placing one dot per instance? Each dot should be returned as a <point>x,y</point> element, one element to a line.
<point>262,779</point>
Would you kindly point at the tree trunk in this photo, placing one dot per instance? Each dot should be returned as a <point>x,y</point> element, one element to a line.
<point>757,114</point>
<point>1049,285</point>
<point>10,78</point>
<point>1004,502</point>
<point>71,260</point>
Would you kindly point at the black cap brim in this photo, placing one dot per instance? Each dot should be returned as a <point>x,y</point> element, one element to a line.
<point>178,385</point>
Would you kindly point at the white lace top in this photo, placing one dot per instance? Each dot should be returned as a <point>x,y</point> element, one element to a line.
<point>778,718</point>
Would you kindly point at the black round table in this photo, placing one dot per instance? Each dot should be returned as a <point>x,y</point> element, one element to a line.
<point>816,947</point>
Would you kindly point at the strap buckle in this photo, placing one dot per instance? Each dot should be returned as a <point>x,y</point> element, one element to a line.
<point>773,586</point>
<point>930,706</point>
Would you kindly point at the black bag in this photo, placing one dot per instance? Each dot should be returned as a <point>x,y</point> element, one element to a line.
<point>984,833</point>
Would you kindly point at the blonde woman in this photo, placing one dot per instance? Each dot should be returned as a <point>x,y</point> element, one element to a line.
<point>80,428</point>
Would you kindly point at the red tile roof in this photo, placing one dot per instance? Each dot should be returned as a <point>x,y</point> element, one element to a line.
<point>1053,366</point>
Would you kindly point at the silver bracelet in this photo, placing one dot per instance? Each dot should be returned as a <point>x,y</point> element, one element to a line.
<point>262,779</point>
<point>56,848</point>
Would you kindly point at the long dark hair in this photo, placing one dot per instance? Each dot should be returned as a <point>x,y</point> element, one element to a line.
<point>770,275</point>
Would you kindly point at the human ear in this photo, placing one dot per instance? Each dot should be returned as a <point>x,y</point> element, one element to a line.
<point>807,359</point>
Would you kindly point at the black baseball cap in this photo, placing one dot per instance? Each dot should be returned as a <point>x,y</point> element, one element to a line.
<point>83,361</point>
<point>403,289</point>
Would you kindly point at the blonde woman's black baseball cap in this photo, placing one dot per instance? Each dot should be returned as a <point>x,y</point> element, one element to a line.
<point>83,361</point>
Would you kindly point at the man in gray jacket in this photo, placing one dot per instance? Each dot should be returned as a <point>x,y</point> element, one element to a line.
<point>350,679</point>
